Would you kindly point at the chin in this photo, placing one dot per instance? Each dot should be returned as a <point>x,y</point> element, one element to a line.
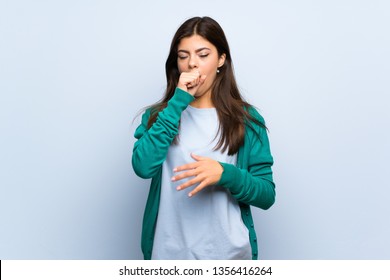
<point>199,94</point>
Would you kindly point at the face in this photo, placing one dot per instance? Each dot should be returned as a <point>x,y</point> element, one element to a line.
<point>196,53</point>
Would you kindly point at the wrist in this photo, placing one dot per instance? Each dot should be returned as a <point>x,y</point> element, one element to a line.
<point>183,95</point>
<point>182,87</point>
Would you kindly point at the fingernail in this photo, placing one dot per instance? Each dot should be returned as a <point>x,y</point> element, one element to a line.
<point>173,179</point>
<point>174,169</point>
<point>178,188</point>
<point>190,194</point>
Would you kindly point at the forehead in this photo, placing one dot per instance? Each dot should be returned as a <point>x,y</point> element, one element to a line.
<point>194,42</point>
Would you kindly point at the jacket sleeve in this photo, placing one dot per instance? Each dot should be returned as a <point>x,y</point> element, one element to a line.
<point>152,144</point>
<point>252,185</point>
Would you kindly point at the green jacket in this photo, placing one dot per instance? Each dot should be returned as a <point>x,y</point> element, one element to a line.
<point>250,181</point>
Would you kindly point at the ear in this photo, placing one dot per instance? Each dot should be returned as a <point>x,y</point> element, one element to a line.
<point>221,60</point>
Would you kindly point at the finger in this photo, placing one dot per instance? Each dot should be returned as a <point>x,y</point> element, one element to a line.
<point>195,71</point>
<point>189,80</point>
<point>200,187</point>
<point>197,158</point>
<point>189,183</point>
<point>187,77</point>
<point>184,175</point>
<point>194,77</point>
<point>192,84</point>
<point>187,166</point>
<point>195,82</point>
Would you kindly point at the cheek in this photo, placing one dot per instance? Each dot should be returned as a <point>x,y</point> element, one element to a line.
<point>211,72</point>
<point>210,79</point>
<point>181,67</point>
<point>209,68</point>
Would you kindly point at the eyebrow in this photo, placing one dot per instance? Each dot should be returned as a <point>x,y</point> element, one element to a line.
<point>198,50</point>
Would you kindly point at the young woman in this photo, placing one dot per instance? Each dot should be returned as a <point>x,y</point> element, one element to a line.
<point>207,153</point>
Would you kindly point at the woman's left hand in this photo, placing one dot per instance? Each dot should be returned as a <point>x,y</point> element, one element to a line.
<point>205,171</point>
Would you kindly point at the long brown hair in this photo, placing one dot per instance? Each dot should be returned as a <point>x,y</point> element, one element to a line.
<point>231,108</point>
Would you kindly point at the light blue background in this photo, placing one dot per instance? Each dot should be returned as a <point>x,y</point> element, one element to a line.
<point>74,74</point>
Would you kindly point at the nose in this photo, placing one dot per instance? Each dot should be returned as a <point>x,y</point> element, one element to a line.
<point>193,62</point>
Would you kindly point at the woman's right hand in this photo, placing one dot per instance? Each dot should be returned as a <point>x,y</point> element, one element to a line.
<point>191,81</point>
